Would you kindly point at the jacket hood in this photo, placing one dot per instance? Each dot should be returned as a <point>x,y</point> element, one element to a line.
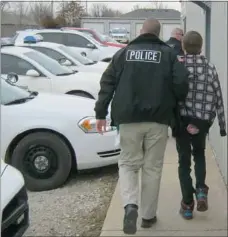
<point>60,102</point>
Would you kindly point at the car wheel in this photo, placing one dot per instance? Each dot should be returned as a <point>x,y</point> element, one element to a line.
<point>81,93</point>
<point>44,159</point>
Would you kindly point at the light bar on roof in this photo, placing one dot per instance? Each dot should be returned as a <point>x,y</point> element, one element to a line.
<point>33,39</point>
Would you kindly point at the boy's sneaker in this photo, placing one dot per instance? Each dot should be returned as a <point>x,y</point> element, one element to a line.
<point>187,210</point>
<point>201,197</point>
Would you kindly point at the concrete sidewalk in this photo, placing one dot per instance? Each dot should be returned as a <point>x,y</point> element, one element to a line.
<point>210,223</point>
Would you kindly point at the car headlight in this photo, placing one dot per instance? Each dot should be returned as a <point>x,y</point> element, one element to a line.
<point>88,125</point>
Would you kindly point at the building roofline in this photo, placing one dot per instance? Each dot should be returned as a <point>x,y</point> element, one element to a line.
<point>123,18</point>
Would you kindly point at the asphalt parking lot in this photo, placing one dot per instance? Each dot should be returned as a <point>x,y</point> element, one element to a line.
<point>76,209</point>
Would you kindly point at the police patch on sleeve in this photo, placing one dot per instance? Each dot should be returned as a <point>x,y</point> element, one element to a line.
<point>150,56</point>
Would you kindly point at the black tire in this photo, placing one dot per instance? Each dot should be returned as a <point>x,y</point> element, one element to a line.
<point>52,148</point>
<point>81,93</point>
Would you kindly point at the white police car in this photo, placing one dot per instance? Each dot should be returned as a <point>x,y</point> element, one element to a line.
<point>41,73</point>
<point>14,202</point>
<point>45,136</point>
<point>64,55</point>
<point>75,40</point>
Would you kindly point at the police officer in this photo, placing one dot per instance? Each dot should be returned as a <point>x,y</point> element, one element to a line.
<point>144,80</point>
<point>175,41</point>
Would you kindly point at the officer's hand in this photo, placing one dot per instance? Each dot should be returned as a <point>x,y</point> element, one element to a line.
<point>101,126</point>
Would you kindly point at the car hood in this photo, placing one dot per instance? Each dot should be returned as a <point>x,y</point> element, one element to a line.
<point>104,52</point>
<point>116,44</point>
<point>109,50</point>
<point>119,34</point>
<point>98,67</point>
<point>61,105</point>
<point>102,64</point>
<point>81,74</point>
<point>11,183</point>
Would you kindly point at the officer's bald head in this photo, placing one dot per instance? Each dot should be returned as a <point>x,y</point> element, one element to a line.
<point>151,26</point>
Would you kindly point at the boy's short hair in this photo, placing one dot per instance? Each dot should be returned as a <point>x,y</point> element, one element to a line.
<point>192,42</point>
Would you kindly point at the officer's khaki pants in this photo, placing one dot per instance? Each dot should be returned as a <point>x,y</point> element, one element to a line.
<point>142,146</point>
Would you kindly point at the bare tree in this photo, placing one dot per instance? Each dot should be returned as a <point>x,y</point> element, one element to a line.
<point>102,10</point>
<point>158,5</point>
<point>50,22</point>
<point>21,10</point>
<point>96,9</point>
<point>71,12</point>
<point>5,5</point>
<point>136,7</point>
<point>40,10</point>
<point>117,12</point>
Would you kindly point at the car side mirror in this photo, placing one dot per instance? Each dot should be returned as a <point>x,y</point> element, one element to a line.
<point>91,46</point>
<point>106,60</point>
<point>65,62</point>
<point>83,54</point>
<point>32,73</point>
<point>12,77</point>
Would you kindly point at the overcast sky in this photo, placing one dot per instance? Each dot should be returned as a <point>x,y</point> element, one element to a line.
<point>125,5</point>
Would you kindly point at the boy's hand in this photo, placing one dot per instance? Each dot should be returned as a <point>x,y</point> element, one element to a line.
<point>193,130</point>
<point>223,133</point>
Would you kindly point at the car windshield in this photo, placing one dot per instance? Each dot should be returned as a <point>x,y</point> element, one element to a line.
<point>11,92</point>
<point>49,64</point>
<point>109,39</point>
<point>94,41</point>
<point>100,36</point>
<point>87,32</point>
<point>83,60</point>
<point>14,37</point>
<point>118,31</point>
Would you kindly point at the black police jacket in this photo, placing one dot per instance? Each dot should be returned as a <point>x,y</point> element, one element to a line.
<point>144,81</point>
<point>176,45</point>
